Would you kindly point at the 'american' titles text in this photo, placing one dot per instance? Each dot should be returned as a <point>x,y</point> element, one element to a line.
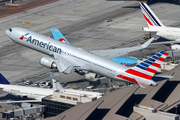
<point>44,45</point>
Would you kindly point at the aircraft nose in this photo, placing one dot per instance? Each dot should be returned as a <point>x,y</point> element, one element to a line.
<point>8,31</point>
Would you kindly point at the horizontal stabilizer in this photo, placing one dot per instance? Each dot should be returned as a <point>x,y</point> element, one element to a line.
<point>158,78</point>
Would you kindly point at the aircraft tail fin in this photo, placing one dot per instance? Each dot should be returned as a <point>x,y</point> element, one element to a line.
<point>58,35</point>
<point>3,80</point>
<point>56,85</point>
<point>151,19</point>
<point>144,72</point>
<point>151,65</point>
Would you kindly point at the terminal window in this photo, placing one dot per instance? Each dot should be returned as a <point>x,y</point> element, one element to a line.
<point>75,99</point>
<point>61,96</point>
<point>68,98</point>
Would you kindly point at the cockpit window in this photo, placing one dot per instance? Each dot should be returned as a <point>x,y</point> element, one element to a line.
<point>10,29</point>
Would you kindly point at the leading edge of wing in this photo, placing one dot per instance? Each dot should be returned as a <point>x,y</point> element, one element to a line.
<point>166,42</point>
<point>111,53</point>
<point>21,101</point>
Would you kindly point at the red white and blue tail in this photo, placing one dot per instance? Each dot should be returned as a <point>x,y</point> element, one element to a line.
<point>151,19</point>
<point>143,72</point>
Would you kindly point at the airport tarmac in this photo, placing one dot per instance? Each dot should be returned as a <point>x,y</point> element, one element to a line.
<point>18,62</point>
<point>83,24</point>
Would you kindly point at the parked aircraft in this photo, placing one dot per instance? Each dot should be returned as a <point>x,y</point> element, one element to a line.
<point>155,25</point>
<point>23,91</point>
<point>126,61</point>
<point>37,93</point>
<point>67,58</point>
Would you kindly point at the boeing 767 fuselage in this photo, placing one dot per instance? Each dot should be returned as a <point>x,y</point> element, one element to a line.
<point>67,58</point>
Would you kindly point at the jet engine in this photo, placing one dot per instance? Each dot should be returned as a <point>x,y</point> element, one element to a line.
<point>22,96</point>
<point>48,62</point>
<point>175,47</point>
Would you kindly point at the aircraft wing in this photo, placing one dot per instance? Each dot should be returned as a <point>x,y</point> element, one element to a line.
<point>21,101</point>
<point>64,65</point>
<point>111,53</point>
<point>166,42</point>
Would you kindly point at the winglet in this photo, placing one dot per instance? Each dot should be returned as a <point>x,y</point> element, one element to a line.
<point>58,35</point>
<point>3,80</point>
<point>144,45</point>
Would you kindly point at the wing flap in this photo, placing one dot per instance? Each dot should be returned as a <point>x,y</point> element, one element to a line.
<point>69,70</point>
<point>62,63</point>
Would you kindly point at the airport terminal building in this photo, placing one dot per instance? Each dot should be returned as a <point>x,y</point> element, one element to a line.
<point>62,100</point>
<point>132,103</point>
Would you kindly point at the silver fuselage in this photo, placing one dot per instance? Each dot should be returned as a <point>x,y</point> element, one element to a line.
<point>24,91</point>
<point>86,60</point>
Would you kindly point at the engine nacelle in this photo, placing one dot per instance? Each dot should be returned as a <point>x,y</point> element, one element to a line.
<point>48,62</point>
<point>22,96</point>
<point>90,76</point>
<point>175,47</point>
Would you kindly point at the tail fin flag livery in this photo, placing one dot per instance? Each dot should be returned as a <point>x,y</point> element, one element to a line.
<point>58,35</point>
<point>151,19</point>
<point>143,72</point>
<point>3,80</point>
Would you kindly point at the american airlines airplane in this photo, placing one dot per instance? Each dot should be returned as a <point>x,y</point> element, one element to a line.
<point>155,25</point>
<point>67,58</point>
<point>37,93</point>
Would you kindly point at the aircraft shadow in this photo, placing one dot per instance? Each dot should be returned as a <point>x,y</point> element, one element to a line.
<point>11,97</point>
